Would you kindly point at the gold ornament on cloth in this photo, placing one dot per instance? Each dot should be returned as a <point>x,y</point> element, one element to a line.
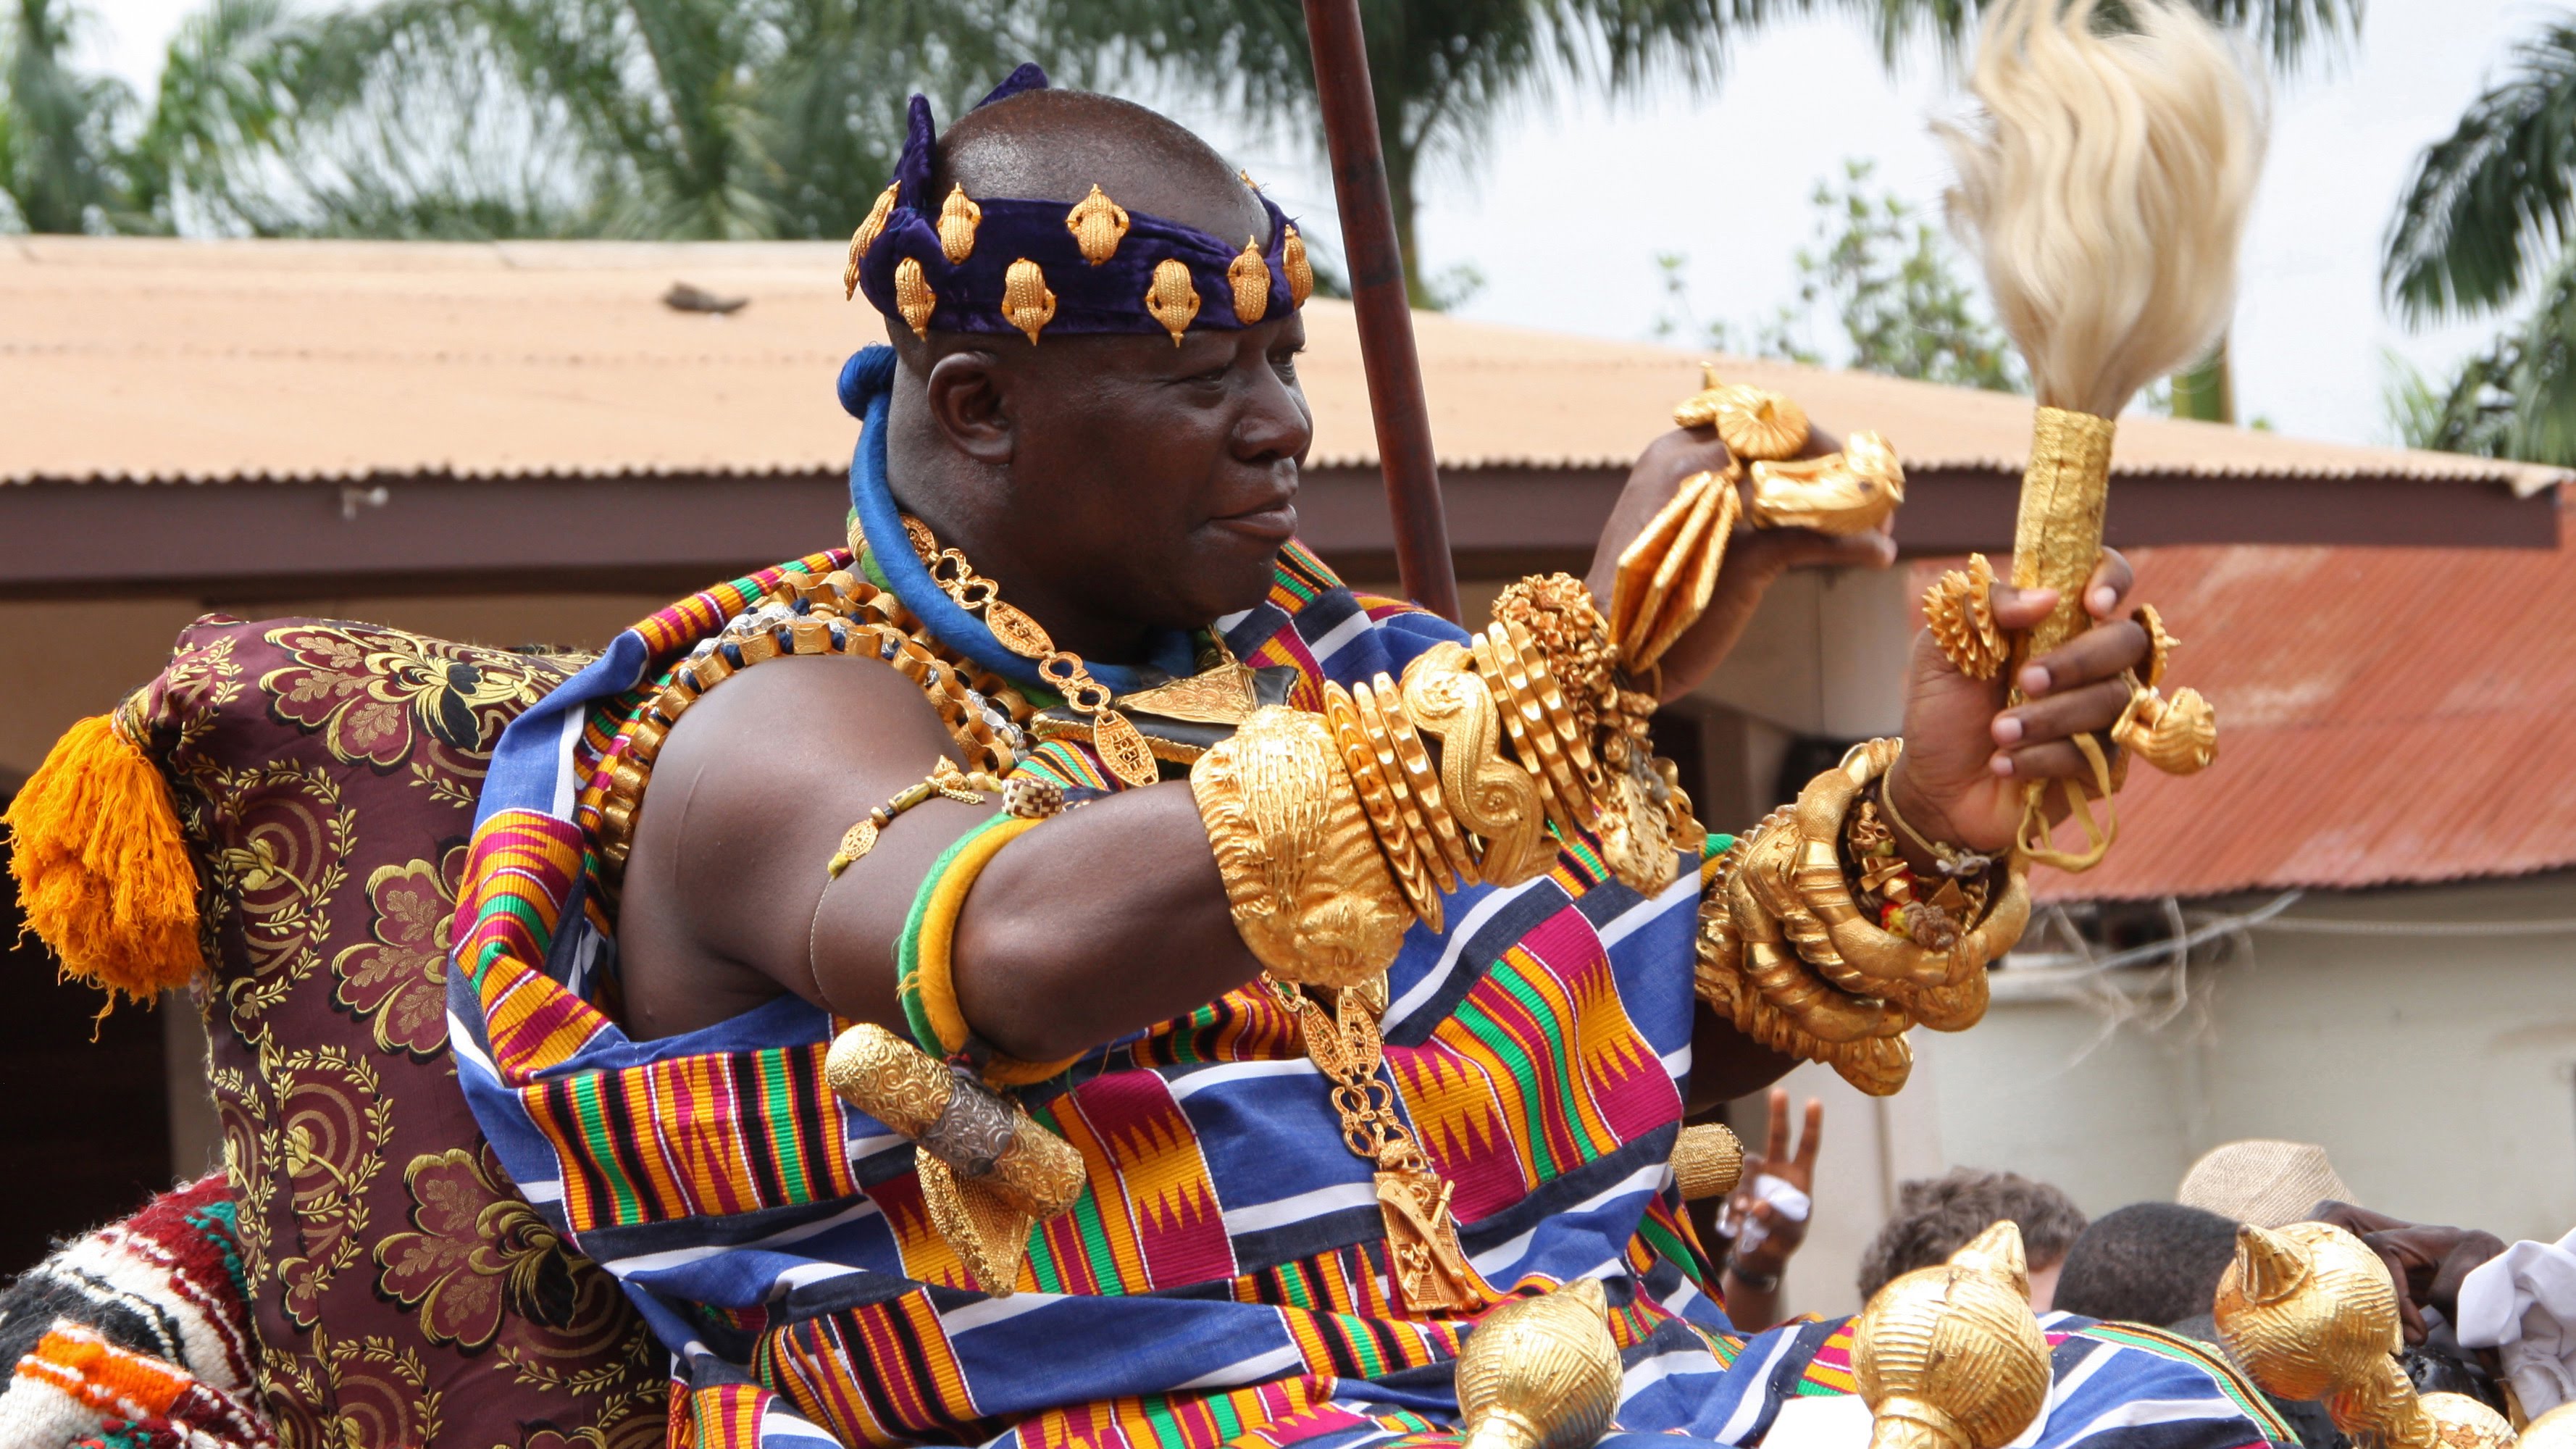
<point>913,297</point>
<point>1310,894</point>
<point>1540,1373</point>
<point>1027,302</point>
<point>1426,1269</point>
<point>872,227</point>
<point>958,218</point>
<point>1950,1357</point>
<point>1114,738</point>
<point>1959,608</point>
<point>1098,225</point>
<point>1249,275</point>
<point>989,1173</point>
<point>1171,300</point>
<point>1301,273</point>
<point>1708,1161</point>
<point>1849,492</point>
<point>1754,423</point>
<point>2309,1311</point>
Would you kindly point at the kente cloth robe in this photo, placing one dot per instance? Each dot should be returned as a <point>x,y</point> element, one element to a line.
<point>1220,1278</point>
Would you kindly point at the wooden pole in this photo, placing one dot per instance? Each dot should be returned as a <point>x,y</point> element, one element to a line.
<point>1385,317</point>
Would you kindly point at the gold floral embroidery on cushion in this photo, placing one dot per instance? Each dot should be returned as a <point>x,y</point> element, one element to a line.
<point>335,1122</point>
<point>479,1253</point>
<point>397,981</point>
<point>373,692</point>
<point>282,836</point>
<point>346,1392</point>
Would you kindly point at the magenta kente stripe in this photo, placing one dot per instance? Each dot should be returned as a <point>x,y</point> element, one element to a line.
<point>1633,1097</point>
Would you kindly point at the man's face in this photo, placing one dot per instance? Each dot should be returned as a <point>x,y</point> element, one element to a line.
<point>1160,480</point>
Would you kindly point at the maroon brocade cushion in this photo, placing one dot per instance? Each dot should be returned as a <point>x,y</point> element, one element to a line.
<point>325,775</point>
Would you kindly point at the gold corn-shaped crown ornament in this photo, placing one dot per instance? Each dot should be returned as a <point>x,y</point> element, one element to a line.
<point>1540,1373</point>
<point>1098,225</point>
<point>1949,1357</point>
<point>1249,275</point>
<point>1301,273</point>
<point>1171,300</point>
<point>913,297</point>
<point>1027,303</point>
<point>2309,1311</point>
<point>870,228</point>
<point>958,218</point>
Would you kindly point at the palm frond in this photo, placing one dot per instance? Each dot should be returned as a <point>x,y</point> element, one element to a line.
<point>2516,399</point>
<point>2290,32</point>
<point>2489,202</point>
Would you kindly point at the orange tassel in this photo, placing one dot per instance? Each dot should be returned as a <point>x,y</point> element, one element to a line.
<point>103,873</point>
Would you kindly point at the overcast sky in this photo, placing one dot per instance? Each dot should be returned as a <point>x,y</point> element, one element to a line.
<point>1567,209</point>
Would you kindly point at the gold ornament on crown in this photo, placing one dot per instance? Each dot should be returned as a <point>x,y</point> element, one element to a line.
<point>958,218</point>
<point>1098,225</point>
<point>1301,273</point>
<point>865,237</point>
<point>1249,275</point>
<point>913,297</point>
<point>1170,299</point>
<point>1027,302</point>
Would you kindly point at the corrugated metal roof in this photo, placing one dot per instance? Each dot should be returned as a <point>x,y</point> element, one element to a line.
<point>2386,716</point>
<point>153,360</point>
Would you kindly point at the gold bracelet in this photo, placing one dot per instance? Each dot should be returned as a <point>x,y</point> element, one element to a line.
<point>1951,860</point>
<point>1422,780</point>
<point>1494,797</point>
<point>945,781</point>
<point>1417,827</point>
<point>1310,893</point>
<point>1378,800</point>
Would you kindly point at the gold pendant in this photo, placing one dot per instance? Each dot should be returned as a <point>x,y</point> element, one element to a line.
<point>861,839</point>
<point>1221,696</point>
<point>1425,1267</point>
<point>1018,632</point>
<point>991,1236</point>
<point>1122,748</point>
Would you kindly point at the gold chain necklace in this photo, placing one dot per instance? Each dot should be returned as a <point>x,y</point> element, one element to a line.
<point>1424,1264</point>
<point>1119,743</point>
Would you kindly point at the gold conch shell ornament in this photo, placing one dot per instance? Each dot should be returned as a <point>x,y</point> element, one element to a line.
<point>1249,275</point>
<point>1848,492</point>
<point>1540,1373</point>
<point>1708,1161</point>
<point>1949,1357</point>
<point>2309,1310</point>
<point>1171,300</point>
<point>866,237</point>
<point>958,218</point>
<point>1098,225</point>
<point>1027,302</point>
<point>1755,423</point>
<point>913,297</point>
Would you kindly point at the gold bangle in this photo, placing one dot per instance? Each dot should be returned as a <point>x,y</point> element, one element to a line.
<point>1418,829</point>
<point>1493,796</point>
<point>1422,779</point>
<point>1360,759</point>
<point>1309,890</point>
<point>1551,698</point>
<point>1507,675</point>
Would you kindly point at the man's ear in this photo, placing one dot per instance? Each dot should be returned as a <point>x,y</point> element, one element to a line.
<point>969,398</point>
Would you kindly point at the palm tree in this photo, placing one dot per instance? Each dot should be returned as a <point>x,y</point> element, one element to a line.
<point>1442,70</point>
<point>58,167</point>
<point>2485,223</point>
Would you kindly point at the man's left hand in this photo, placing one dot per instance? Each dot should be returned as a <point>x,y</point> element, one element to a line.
<point>1967,757</point>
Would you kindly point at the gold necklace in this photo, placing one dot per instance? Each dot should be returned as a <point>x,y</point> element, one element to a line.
<point>1424,1264</point>
<point>1120,745</point>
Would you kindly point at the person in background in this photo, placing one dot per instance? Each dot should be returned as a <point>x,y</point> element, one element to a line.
<point>1764,1221</point>
<point>2262,1181</point>
<point>2149,1262</point>
<point>1936,1217</point>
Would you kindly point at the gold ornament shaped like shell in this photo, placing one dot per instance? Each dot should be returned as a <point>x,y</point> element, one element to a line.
<point>1027,303</point>
<point>1249,275</point>
<point>2178,736</point>
<point>2308,1311</point>
<point>1301,273</point>
<point>1309,891</point>
<point>1708,1161</point>
<point>1171,300</point>
<point>1959,609</point>
<point>1848,492</point>
<point>2461,1422</point>
<point>1540,1373</point>
<point>958,218</point>
<point>1758,424</point>
<point>1949,1357</point>
<point>866,237</point>
<point>1098,225</point>
<point>913,297</point>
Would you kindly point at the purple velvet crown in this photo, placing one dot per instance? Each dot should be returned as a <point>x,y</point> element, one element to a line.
<point>976,264</point>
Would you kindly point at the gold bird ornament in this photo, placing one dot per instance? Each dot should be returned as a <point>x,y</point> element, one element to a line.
<point>1540,1373</point>
<point>1950,1357</point>
<point>2309,1310</point>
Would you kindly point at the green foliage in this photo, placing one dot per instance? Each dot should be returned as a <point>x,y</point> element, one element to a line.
<point>2289,31</point>
<point>2486,223</point>
<point>59,170</point>
<point>1882,276</point>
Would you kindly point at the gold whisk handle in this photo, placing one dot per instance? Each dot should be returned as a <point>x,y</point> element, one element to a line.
<point>2057,540</point>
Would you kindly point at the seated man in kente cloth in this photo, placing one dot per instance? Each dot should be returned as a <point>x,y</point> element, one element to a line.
<point>1239,985</point>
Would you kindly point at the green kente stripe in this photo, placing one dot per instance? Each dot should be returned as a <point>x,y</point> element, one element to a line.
<point>1228,1422</point>
<point>783,1144</point>
<point>1669,1245</point>
<point>1559,1050</point>
<point>2259,1410</point>
<point>1292,1286</point>
<point>1584,853</point>
<point>1158,1412</point>
<point>1498,1039</point>
<point>1043,1264</point>
<point>1095,1243</point>
<point>1364,1347</point>
<point>907,947</point>
<point>594,1132</point>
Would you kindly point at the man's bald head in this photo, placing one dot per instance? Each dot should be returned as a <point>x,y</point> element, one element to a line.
<point>1051,145</point>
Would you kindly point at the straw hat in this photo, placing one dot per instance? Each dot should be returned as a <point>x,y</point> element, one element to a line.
<point>2262,1182</point>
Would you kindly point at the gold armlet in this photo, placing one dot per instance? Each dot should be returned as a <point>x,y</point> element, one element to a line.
<point>1494,798</point>
<point>1311,895</point>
